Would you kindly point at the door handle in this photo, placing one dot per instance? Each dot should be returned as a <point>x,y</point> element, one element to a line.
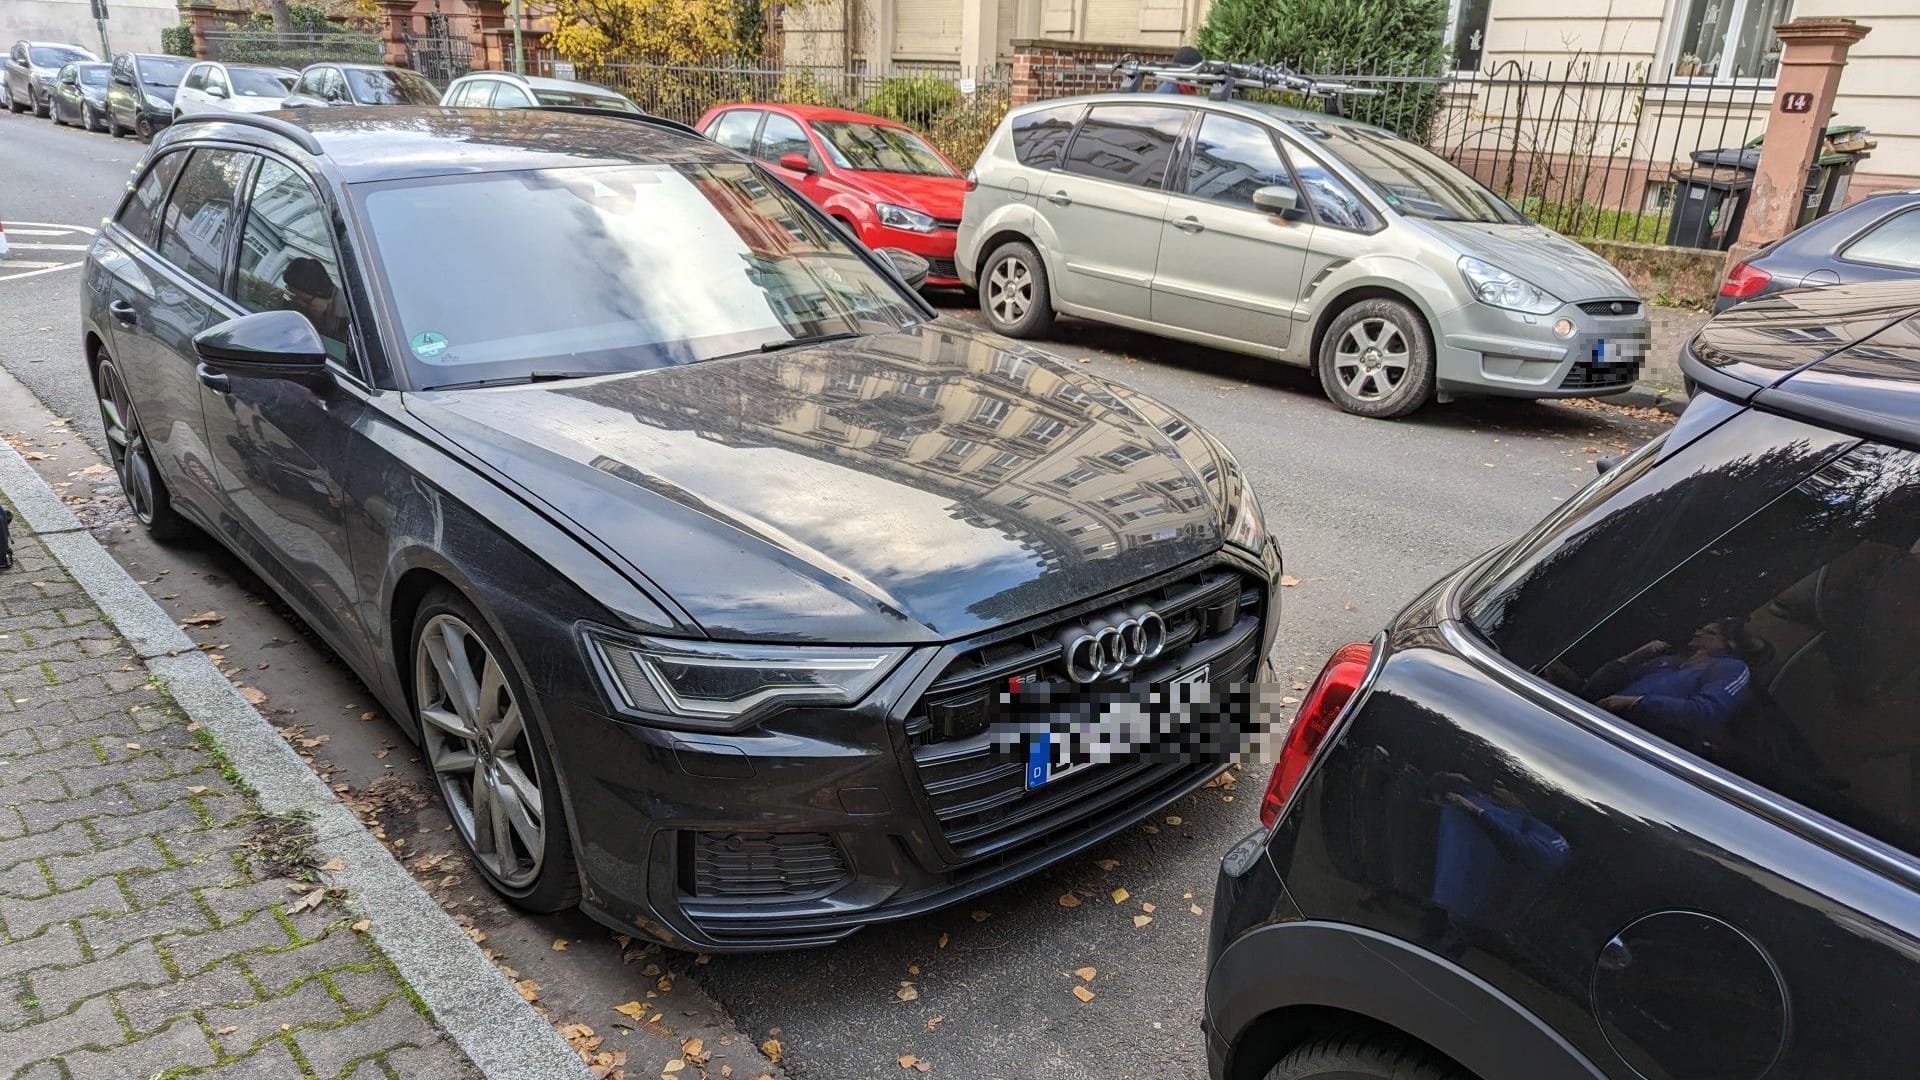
<point>1189,224</point>
<point>1060,198</point>
<point>213,380</point>
<point>122,311</point>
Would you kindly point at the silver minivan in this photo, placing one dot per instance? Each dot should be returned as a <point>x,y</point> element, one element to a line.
<point>1293,235</point>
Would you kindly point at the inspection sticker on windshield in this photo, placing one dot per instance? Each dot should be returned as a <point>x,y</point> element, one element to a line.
<point>427,344</point>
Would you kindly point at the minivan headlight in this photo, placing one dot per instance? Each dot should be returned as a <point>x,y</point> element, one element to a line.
<point>721,685</point>
<point>899,217</point>
<point>1498,288</point>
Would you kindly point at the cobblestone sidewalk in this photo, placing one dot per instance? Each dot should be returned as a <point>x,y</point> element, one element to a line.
<point>147,928</point>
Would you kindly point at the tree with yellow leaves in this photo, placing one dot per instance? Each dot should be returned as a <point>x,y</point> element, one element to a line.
<point>661,31</point>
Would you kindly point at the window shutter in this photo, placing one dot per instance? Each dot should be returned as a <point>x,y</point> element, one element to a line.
<point>1163,15</point>
<point>1056,16</point>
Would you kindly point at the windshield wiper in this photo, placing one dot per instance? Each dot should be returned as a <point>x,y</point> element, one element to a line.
<point>816,339</point>
<point>556,376</point>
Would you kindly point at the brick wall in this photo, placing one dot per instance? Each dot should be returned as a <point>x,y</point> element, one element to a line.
<point>1044,68</point>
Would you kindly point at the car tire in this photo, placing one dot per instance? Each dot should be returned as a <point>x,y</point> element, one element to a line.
<point>132,459</point>
<point>489,751</point>
<point>143,127</point>
<point>1014,293</point>
<point>1376,359</point>
<point>1362,1057</point>
<point>41,107</point>
<point>113,126</point>
<point>13,106</point>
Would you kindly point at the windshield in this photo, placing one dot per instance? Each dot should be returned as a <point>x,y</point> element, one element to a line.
<point>1409,177</point>
<point>878,148</point>
<point>93,74</point>
<point>161,70</point>
<point>581,100</point>
<point>505,276</point>
<point>54,56</point>
<point>258,83</point>
<point>391,88</point>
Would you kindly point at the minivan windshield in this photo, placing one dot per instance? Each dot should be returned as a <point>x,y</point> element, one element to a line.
<point>512,276</point>
<point>879,148</point>
<point>1411,178</point>
<point>162,70</point>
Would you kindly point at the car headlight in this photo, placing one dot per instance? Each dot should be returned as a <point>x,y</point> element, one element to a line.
<point>719,685</point>
<point>899,217</point>
<point>1498,288</point>
<point>1243,522</point>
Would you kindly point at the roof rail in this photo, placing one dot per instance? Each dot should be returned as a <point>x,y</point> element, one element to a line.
<point>1223,78</point>
<point>617,114</point>
<point>266,123</point>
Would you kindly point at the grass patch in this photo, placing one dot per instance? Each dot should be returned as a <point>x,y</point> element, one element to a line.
<point>1584,221</point>
<point>281,843</point>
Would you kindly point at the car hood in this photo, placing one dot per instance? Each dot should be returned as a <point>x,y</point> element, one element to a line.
<point>159,93</point>
<point>1539,256</point>
<point>910,487</point>
<point>941,196</point>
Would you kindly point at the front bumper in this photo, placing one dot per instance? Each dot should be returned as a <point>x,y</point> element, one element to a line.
<point>1484,350</point>
<point>818,822</point>
<point>936,247</point>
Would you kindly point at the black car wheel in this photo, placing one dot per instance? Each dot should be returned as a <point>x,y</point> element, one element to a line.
<point>489,757</point>
<point>1013,291</point>
<point>90,119</point>
<point>132,459</point>
<point>1360,1057</point>
<point>41,106</point>
<point>143,127</point>
<point>13,106</point>
<point>1376,359</point>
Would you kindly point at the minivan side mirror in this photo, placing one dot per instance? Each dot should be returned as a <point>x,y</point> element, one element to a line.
<point>797,162</point>
<point>122,79</point>
<point>1277,199</point>
<point>263,345</point>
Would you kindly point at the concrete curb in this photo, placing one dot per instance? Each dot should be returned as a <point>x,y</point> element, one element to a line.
<point>1651,396</point>
<point>496,1028</point>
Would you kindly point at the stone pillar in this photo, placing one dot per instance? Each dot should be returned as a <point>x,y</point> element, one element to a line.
<point>979,37</point>
<point>396,18</point>
<point>488,20</point>
<point>202,16</point>
<point>1815,55</point>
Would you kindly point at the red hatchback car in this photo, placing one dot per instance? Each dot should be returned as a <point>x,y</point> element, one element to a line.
<point>880,177</point>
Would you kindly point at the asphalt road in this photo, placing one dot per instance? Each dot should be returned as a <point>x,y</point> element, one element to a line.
<point>1368,513</point>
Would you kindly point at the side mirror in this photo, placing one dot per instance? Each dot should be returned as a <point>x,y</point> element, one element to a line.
<point>1277,199</point>
<point>1605,465</point>
<point>911,268</point>
<point>216,91</point>
<point>263,345</point>
<point>123,80</point>
<point>797,162</point>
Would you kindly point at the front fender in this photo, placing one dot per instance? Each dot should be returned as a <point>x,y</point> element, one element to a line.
<point>975,237</point>
<point>1356,970</point>
<point>1412,279</point>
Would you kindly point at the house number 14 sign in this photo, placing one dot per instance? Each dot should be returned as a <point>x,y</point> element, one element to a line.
<point>1796,101</point>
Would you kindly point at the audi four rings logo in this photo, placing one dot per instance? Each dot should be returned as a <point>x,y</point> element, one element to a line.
<point>1121,642</point>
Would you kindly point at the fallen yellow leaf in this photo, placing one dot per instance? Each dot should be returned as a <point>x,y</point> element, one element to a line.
<point>362,926</point>
<point>1148,908</point>
<point>1175,819</point>
<point>673,1066</point>
<point>1120,896</point>
<point>1108,865</point>
<point>982,916</point>
<point>913,969</point>
<point>1069,900</point>
<point>559,944</point>
<point>1085,974</point>
<point>1195,908</point>
<point>906,993</point>
<point>528,989</point>
<point>632,1009</point>
<point>943,942</point>
<point>1288,580</point>
<point>1141,920</point>
<point>695,1050</point>
<point>205,618</point>
<point>1083,993</point>
<point>771,1048</point>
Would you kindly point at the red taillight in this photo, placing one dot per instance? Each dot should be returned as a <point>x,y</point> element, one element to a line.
<point>1744,281</point>
<point>1324,703</point>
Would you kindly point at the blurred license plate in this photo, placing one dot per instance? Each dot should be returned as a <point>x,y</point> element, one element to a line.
<point>1619,350</point>
<point>1051,755</point>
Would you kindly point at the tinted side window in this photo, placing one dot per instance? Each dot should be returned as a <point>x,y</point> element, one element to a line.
<point>509,96</point>
<point>1332,201</point>
<point>1232,159</point>
<point>1130,144</point>
<point>142,209</point>
<point>309,83</point>
<point>1039,137</point>
<point>196,78</point>
<point>333,85</point>
<point>782,135</point>
<point>1894,242</point>
<point>734,130</point>
<point>199,214</point>
<point>286,257</point>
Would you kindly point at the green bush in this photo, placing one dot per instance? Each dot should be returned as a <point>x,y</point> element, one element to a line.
<point>177,40</point>
<point>917,101</point>
<point>1343,37</point>
<point>799,87</point>
<point>962,132</point>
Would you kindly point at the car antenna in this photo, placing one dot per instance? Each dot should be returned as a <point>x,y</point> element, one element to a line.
<point>1222,80</point>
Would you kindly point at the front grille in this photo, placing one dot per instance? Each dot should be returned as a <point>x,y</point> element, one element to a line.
<point>765,864</point>
<point>980,796</point>
<point>942,268</point>
<point>1606,308</point>
<point>1592,374</point>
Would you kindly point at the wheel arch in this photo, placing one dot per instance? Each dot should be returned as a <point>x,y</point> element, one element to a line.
<point>1268,987</point>
<point>1358,293</point>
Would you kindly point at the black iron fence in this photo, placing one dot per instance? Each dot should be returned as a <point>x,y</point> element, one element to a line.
<point>956,110</point>
<point>440,47</point>
<point>261,45</point>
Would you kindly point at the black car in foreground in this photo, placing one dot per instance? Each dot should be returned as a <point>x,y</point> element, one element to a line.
<point>691,547</point>
<point>1637,795</point>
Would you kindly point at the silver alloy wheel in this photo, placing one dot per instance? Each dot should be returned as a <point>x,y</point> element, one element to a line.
<point>476,737</point>
<point>1371,359</point>
<point>1010,290</point>
<point>126,452</point>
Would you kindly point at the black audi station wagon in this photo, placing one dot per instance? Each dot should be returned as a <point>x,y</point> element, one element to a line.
<point>693,550</point>
<point>1638,794</point>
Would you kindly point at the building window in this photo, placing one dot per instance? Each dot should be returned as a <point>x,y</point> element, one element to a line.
<point>1468,22</point>
<point>989,412</point>
<point>1728,39</point>
<point>1045,429</point>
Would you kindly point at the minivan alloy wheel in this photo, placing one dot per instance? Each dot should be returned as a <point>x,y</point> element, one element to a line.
<point>1371,359</point>
<point>1010,289</point>
<point>476,738</point>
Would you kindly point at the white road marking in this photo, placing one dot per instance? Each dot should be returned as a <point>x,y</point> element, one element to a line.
<point>50,247</point>
<point>32,273</point>
<point>28,268</point>
<point>53,225</point>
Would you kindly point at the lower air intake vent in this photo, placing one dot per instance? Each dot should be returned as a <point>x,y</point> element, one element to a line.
<point>765,864</point>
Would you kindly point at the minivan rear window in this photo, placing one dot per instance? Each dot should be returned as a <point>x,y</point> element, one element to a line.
<point>1127,144</point>
<point>1040,136</point>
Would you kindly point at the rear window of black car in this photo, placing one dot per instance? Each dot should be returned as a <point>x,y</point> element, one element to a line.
<point>1039,136</point>
<point>1753,598</point>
